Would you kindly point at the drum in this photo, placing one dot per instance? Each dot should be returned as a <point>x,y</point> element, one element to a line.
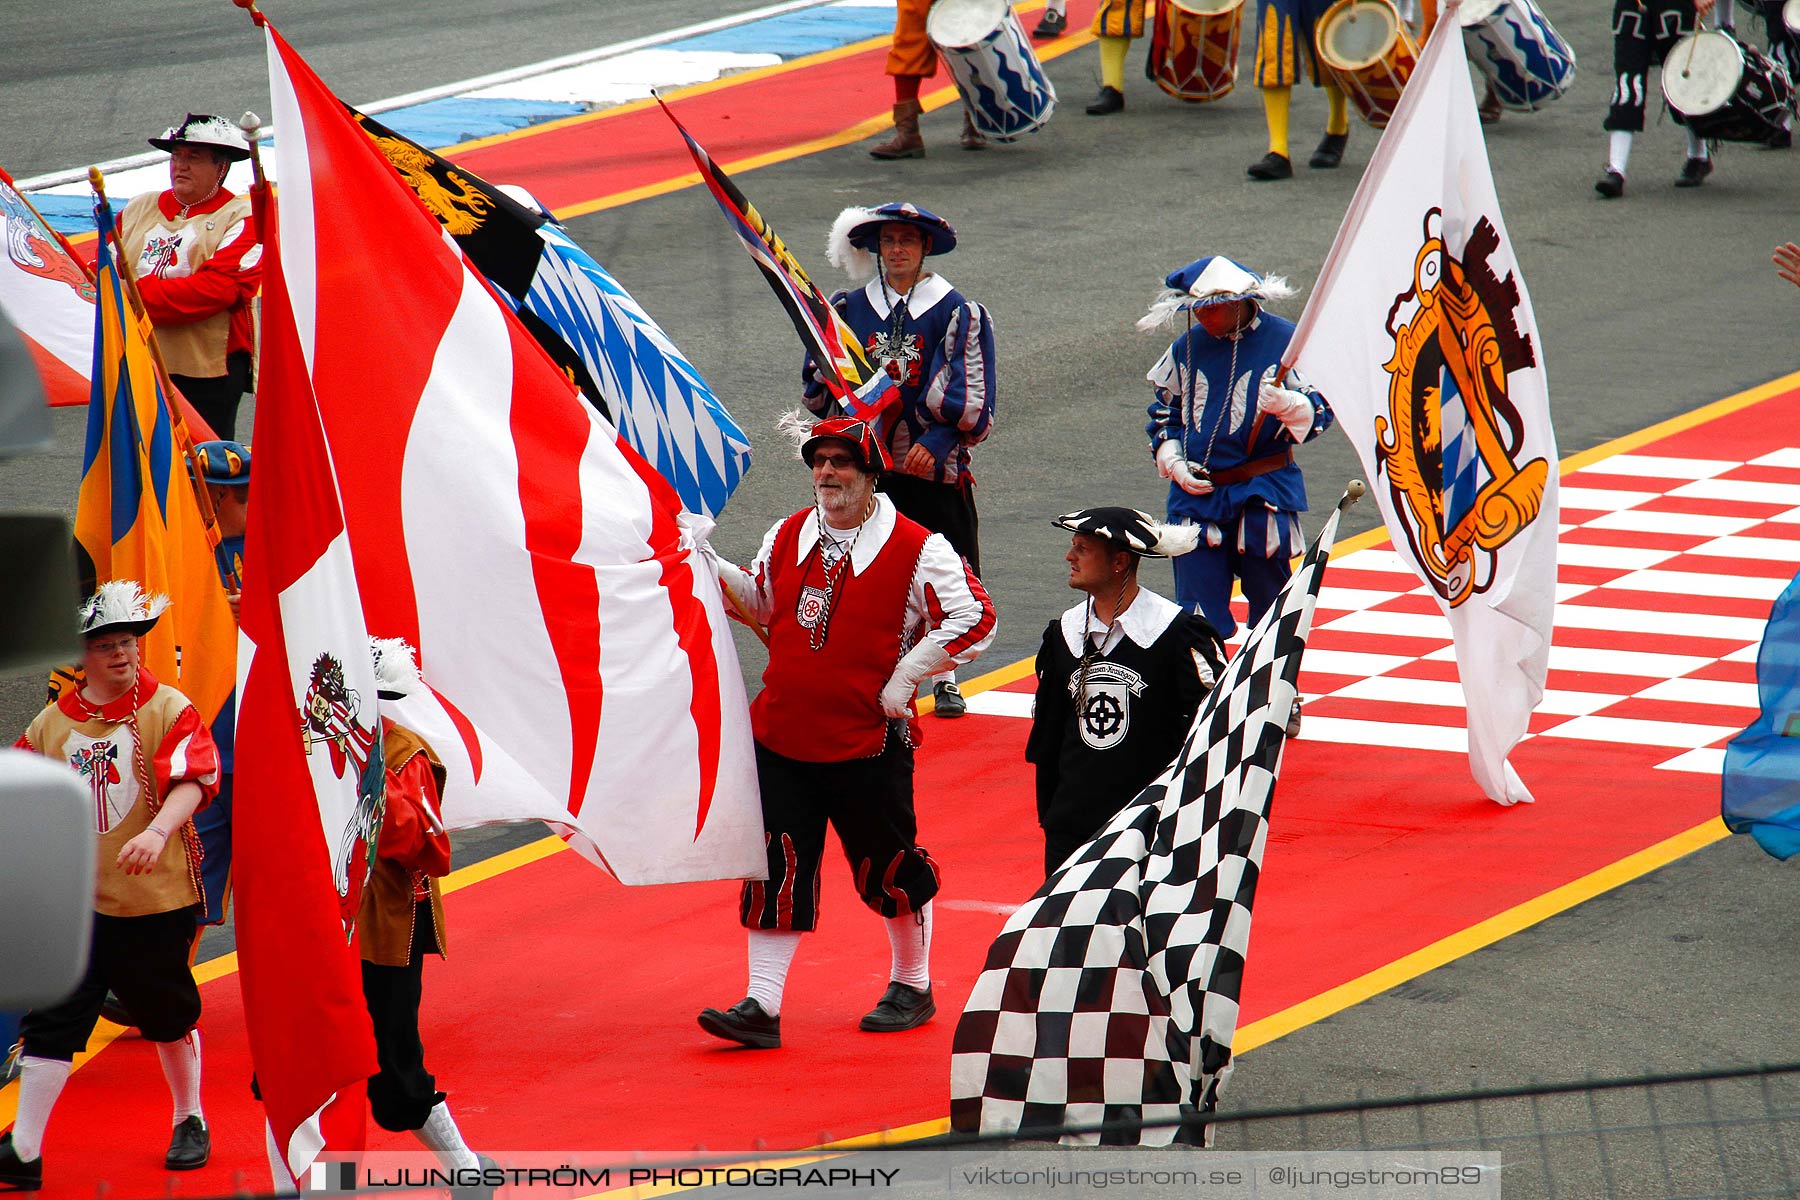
<point>1790,16</point>
<point>1721,88</point>
<point>1366,47</point>
<point>990,58</point>
<point>1514,45</point>
<point>1194,47</point>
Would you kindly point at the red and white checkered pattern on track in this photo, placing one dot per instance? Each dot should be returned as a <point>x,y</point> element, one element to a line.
<point>1666,571</point>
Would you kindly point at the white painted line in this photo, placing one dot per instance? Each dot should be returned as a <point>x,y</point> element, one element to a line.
<point>1714,693</point>
<point>1639,520</point>
<point>1344,732</point>
<point>1650,466</point>
<point>1353,599</point>
<point>1700,583</point>
<point>1389,689</point>
<point>1787,456</point>
<point>1790,517</point>
<point>1387,561</point>
<point>1610,662</point>
<point>994,907</point>
<point>1600,499</point>
<point>1629,732</point>
<point>1319,661</point>
<point>1748,654</point>
<point>1747,490</point>
<point>1001,704</point>
<point>1673,624</point>
<point>1708,760</point>
<point>1391,624</point>
<point>79,174</point>
<point>1623,558</point>
<point>1762,548</point>
<point>627,78</point>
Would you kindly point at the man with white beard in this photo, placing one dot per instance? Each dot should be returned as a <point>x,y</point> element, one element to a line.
<point>861,605</point>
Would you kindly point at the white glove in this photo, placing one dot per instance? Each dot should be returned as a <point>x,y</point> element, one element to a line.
<point>923,660</point>
<point>1291,408</point>
<point>1171,464</point>
<point>733,578</point>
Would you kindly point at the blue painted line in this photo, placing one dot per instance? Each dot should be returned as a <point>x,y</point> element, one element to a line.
<point>438,123</point>
<point>795,34</point>
<point>67,215</point>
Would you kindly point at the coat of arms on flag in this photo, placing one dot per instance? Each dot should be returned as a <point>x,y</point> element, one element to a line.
<point>1107,1006</point>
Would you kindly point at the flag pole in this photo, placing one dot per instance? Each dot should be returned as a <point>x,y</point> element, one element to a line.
<point>184,440</point>
<point>61,239</point>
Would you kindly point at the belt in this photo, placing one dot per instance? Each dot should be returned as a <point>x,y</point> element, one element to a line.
<point>1251,469</point>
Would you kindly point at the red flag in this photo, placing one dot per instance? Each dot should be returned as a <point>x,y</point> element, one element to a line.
<point>303,775</point>
<point>575,641</point>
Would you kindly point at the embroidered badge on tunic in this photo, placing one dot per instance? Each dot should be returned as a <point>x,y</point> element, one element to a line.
<point>1103,702</point>
<point>811,606</point>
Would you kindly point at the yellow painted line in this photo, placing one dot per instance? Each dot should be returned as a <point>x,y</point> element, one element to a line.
<point>1480,935</point>
<point>1686,421</point>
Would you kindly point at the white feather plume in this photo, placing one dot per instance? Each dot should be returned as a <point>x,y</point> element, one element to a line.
<point>1173,540</point>
<point>1272,289</point>
<point>396,670</point>
<point>796,426</point>
<point>854,261</point>
<point>120,602</point>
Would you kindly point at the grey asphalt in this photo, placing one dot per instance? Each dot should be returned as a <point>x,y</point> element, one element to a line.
<point>1648,307</point>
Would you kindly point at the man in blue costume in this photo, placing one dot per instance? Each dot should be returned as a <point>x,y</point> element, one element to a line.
<point>939,348</point>
<point>1229,459</point>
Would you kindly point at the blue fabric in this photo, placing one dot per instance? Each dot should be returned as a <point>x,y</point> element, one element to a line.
<point>1203,577</point>
<point>213,824</point>
<point>1760,790</point>
<point>1195,403</point>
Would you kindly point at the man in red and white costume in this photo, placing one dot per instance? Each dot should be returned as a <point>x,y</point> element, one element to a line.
<point>151,764</point>
<point>199,266</point>
<point>861,605</point>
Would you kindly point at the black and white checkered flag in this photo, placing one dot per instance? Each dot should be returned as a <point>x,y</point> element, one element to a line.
<point>1112,995</point>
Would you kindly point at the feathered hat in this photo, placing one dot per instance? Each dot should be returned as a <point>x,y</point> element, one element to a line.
<point>120,604</point>
<point>1133,530</point>
<point>204,129</point>
<point>1211,280</point>
<point>855,237</point>
<point>396,670</point>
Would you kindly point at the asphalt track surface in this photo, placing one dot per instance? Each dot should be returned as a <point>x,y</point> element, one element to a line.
<point>1648,307</point>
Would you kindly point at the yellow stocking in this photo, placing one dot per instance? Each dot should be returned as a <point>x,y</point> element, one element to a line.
<point>1112,61</point>
<point>1275,109</point>
<point>1337,118</point>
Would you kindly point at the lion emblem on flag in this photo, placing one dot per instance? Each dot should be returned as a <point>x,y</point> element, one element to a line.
<point>1449,444</point>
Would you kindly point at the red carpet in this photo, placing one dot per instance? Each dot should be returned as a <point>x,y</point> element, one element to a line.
<point>564,1018</point>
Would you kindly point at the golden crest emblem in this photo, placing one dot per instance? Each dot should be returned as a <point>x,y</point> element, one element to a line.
<point>1449,444</point>
<point>459,205</point>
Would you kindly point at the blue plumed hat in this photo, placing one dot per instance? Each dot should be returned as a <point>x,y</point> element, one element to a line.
<point>1214,279</point>
<point>855,236</point>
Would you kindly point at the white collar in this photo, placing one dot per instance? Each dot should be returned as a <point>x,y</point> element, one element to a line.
<point>927,292</point>
<point>874,535</point>
<point>1143,622</point>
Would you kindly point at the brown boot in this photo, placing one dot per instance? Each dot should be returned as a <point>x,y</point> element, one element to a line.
<point>906,142</point>
<point>971,136</point>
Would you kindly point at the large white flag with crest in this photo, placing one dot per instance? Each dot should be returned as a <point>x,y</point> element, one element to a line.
<point>1420,333</point>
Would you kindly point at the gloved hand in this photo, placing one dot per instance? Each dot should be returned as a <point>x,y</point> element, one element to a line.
<point>923,660</point>
<point>1291,408</point>
<point>1187,477</point>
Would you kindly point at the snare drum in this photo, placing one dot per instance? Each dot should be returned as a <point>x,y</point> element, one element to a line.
<point>1790,16</point>
<point>1194,47</point>
<point>1721,88</point>
<point>990,58</point>
<point>1520,52</point>
<point>1366,47</point>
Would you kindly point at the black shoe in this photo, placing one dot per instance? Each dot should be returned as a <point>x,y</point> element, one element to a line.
<point>116,1012</point>
<point>1611,184</point>
<point>900,1007</point>
<point>1271,166</point>
<point>947,699</point>
<point>190,1145</point>
<point>1109,100</point>
<point>17,1175</point>
<point>745,1023</point>
<point>1694,172</point>
<point>1781,140</point>
<point>1330,152</point>
<point>1051,24</point>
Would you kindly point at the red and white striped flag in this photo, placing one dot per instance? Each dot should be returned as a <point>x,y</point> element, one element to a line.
<point>580,663</point>
<point>49,297</point>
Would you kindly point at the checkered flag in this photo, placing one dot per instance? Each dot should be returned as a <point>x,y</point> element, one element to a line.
<point>1112,995</point>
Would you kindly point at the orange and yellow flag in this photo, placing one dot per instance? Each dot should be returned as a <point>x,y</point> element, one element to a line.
<point>138,515</point>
